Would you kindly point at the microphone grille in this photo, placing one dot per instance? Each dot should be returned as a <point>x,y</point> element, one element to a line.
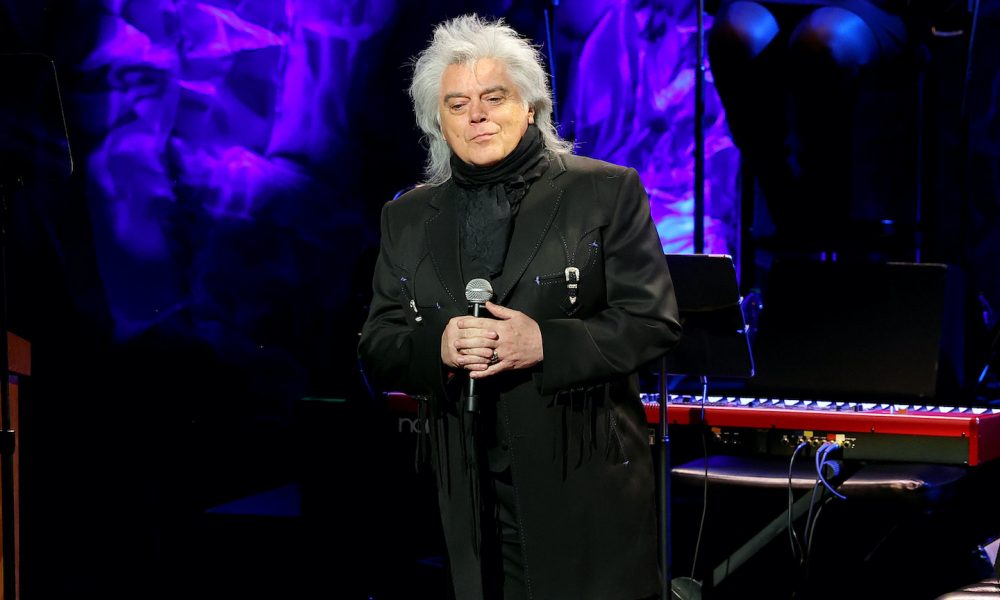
<point>478,291</point>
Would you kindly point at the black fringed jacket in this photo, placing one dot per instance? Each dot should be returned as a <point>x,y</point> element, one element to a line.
<point>580,459</point>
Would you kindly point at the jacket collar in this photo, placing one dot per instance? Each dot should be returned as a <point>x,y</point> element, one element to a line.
<point>535,216</point>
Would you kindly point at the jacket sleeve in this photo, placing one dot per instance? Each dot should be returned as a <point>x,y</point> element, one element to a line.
<point>395,354</point>
<point>640,321</point>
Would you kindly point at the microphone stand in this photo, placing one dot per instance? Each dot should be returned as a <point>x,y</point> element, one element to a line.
<point>715,343</point>
<point>699,247</point>
<point>664,491</point>
<point>699,136</point>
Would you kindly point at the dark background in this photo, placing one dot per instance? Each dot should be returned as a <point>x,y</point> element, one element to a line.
<point>194,288</point>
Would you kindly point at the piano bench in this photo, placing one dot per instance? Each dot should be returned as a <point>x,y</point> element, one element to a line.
<point>919,483</point>
<point>987,588</point>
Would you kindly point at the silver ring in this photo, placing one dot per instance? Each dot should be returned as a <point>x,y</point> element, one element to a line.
<point>495,358</point>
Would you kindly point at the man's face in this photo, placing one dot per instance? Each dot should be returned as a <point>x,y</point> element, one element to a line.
<point>483,116</point>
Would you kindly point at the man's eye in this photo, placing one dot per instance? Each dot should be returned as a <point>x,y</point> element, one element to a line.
<point>456,107</point>
<point>494,99</point>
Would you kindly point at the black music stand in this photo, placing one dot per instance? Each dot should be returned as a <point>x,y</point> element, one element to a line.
<point>34,144</point>
<point>714,343</point>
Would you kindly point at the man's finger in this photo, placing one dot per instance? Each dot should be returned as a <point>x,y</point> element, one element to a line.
<point>485,325</point>
<point>501,312</point>
<point>475,342</point>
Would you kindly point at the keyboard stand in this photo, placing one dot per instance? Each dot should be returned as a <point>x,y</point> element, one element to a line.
<point>773,529</point>
<point>913,484</point>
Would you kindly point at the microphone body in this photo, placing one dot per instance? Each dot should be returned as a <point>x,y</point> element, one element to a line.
<point>471,398</point>
<point>477,292</point>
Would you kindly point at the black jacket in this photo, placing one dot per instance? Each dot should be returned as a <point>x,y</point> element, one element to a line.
<point>580,459</point>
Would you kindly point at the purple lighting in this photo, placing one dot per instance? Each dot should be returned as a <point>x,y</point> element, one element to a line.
<point>213,117</point>
<point>230,136</point>
<point>214,33</point>
<point>631,101</point>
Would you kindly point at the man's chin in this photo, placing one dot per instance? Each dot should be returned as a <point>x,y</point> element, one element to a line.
<point>485,160</point>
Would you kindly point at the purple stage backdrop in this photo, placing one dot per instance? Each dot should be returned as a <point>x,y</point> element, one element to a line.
<point>223,176</point>
<point>236,154</point>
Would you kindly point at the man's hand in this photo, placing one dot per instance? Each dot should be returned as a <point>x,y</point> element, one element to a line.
<point>465,346</point>
<point>513,335</point>
<point>470,342</point>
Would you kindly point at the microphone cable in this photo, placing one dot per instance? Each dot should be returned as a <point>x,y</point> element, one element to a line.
<point>704,496</point>
<point>822,460</point>
<point>793,537</point>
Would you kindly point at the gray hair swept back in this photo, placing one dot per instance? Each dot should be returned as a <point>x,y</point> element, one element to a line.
<point>464,40</point>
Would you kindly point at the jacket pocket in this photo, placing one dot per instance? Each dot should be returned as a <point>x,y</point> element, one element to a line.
<point>580,261</point>
<point>413,307</point>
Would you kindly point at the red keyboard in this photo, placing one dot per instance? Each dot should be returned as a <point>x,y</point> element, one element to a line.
<point>865,431</point>
<point>918,433</point>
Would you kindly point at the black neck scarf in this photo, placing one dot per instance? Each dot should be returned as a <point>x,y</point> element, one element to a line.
<point>490,197</point>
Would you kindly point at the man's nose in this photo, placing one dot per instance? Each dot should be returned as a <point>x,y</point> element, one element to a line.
<point>477,114</point>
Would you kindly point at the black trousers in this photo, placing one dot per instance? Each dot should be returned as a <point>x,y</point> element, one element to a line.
<point>505,575</point>
<point>504,563</point>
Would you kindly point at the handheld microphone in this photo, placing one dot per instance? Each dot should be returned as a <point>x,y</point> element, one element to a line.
<point>477,292</point>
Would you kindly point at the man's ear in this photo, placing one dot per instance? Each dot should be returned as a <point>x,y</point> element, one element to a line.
<point>531,114</point>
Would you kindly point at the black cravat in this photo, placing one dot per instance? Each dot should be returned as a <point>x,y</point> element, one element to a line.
<point>490,197</point>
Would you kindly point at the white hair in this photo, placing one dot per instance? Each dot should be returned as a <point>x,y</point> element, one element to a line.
<point>465,40</point>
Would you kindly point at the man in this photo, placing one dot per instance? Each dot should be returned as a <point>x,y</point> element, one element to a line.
<point>547,491</point>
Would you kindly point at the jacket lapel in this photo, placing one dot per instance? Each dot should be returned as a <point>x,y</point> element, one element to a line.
<point>538,211</point>
<point>441,230</point>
